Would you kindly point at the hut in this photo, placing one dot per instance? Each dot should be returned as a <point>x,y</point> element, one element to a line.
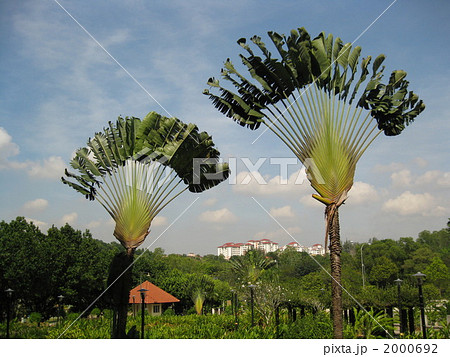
<point>154,298</point>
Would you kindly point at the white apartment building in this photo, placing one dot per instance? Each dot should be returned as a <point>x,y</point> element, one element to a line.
<point>316,249</point>
<point>230,249</point>
<point>295,245</point>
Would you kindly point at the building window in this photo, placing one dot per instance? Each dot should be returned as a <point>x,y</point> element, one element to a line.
<point>156,309</point>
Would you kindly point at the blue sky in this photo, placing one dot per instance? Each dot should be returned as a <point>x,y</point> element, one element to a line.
<point>58,87</point>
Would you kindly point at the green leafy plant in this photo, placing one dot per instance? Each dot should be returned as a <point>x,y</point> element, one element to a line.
<point>326,110</point>
<point>369,325</point>
<point>135,168</point>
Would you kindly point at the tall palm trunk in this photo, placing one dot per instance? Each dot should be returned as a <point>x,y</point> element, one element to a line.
<point>120,291</point>
<point>335,258</point>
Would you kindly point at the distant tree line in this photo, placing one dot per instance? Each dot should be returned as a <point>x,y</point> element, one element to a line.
<point>64,261</point>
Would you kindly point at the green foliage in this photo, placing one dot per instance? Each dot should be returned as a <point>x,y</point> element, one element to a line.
<point>369,325</point>
<point>310,327</point>
<point>96,312</point>
<point>383,271</point>
<point>35,317</point>
<point>124,168</point>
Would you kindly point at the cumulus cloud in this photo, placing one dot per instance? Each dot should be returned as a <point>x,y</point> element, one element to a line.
<point>210,202</point>
<point>309,201</point>
<point>420,162</point>
<point>69,218</point>
<point>362,192</point>
<point>282,212</point>
<point>43,226</point>
<point>435,178</point>
<point>50,168</point>
<point>223,215</point>
<point>414,204</point>
<point>93,224</point>
<point>405,178</point>
<point>402,178</point>
<point>7,148</point>
<point>36,205</point>
<point>159,221</point>
<point>253,183</point>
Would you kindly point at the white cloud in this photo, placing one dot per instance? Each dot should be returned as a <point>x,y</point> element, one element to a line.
<point>36,205</point>
<point>69,218</point>
<point>402,178</point>
<point>435,178</point>
<point>223,215</point>
<point>43,226</point>
<point>51,168</point>
<point>253,183</point>
<point>210,202</point>
<point>7,148</point>
<point>413,204</point>
<point>361,193</point>
<point>309,201</point>
<point>420,162</point>
<point>93,224</point>
<point>159,221</point>
<point>282,212</point>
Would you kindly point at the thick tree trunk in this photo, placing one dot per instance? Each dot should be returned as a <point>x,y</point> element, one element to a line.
<point>121,280</point>
<point>336,290</point>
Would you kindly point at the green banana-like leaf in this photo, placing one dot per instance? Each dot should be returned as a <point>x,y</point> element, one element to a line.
<point>135,168</point>
<point>318,101</point>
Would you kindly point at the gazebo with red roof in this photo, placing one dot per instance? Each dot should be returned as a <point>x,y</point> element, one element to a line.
<point>154,298</point>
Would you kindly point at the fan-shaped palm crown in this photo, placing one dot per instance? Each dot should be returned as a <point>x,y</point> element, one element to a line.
<point>307,97</point>
<point>135,168</point>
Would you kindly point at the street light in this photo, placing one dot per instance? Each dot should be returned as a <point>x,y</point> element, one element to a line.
<point>252,287</point>
<point>142,291</point>
<point>60,298</point>
<point>399,303</point>
<point>363,270</point>
<point>8,309</point>
<point>134,306</point>
<point>420,276</point>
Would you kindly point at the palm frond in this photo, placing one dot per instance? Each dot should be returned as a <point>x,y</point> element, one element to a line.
<point>135,168</point>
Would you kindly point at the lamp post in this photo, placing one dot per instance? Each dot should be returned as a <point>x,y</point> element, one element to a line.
<point>399,281</point>
<point>134,306</point>
<point>60,298</point>
<point>420,276</point>
<point>142,291</point>
<point>363,270</point>
<point>235,304</point>
<point>8,309</point>
<point>252,287</point>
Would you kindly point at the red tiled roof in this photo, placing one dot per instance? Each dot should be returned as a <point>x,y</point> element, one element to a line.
<point>154,295</point>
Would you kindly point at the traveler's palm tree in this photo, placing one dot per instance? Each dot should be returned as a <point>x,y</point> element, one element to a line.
<point>134,169</point>
<point>323,108</point>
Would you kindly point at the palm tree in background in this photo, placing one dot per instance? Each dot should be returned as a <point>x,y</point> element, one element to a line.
<point>312,99</point>
<point>134,169</point>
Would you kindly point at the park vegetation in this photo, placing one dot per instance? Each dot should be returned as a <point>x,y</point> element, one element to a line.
<point>291,288</point>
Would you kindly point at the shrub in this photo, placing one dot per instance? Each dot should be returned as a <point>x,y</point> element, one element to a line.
<point>96,312</point>
<point>35,317</point>
<point>169,312</point>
